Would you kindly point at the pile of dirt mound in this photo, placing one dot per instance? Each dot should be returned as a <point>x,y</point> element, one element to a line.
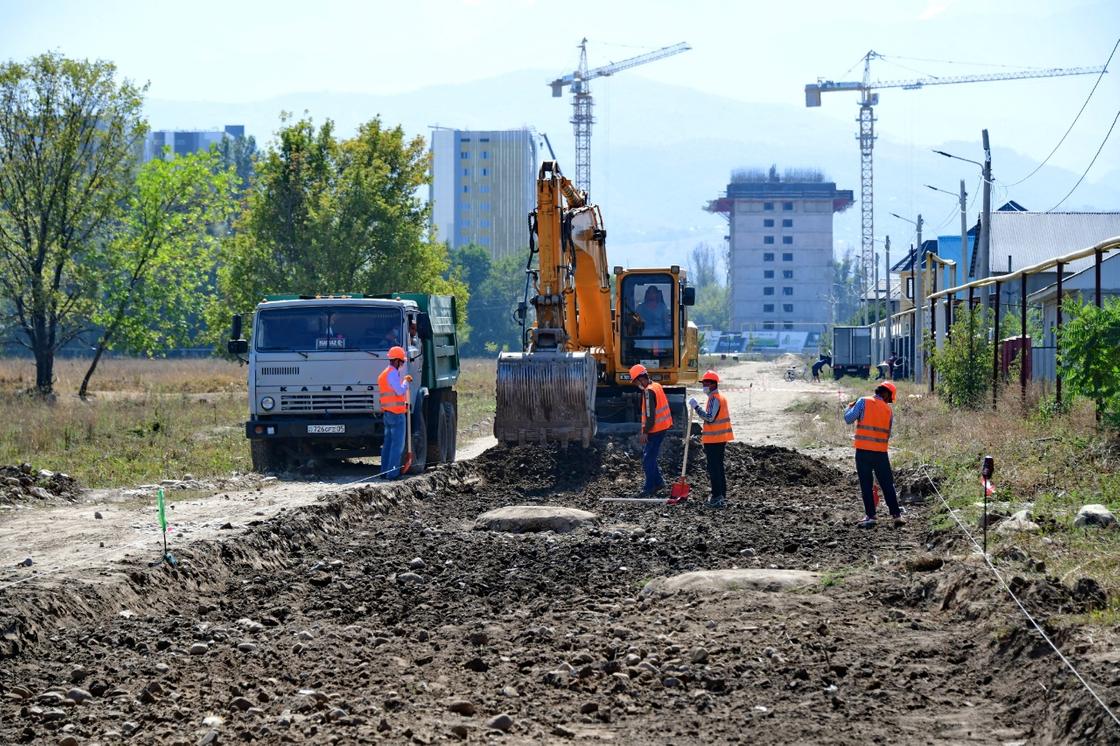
<point>774,465</point>
<point>24,484</point>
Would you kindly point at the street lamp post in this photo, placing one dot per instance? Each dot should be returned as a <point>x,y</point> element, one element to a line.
<point>983,252</point>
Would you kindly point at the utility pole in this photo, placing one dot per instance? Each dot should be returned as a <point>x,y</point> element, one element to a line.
<point>983,257</point>
<point>878,317</point>
<point>919,307</point>
<point>964,231</point>
<point>890,321</point>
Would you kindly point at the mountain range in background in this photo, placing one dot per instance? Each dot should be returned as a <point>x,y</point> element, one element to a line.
<point>661,152</point>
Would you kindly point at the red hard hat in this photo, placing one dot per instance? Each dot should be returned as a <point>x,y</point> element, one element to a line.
<point>397,353</point>
<point>891,388</point>
<point>637,370</point>
<point>710,376</point>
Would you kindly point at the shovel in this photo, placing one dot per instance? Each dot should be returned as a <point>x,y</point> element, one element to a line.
<point>406,462</point>
<point>678,493</point>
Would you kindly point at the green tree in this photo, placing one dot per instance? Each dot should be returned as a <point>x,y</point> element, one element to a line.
<point>496,286</point>
<point>160,263</point>
<point>1090,359</point>
<point>329,215</point>
<point>68,135</point>
<point>963,363</point>
<point>239,154</point>
<point>845,290</point>
<point>713,297</point>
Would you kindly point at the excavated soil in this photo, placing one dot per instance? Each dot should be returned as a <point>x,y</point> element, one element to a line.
<point>383,614</point>
<point>24,484</point>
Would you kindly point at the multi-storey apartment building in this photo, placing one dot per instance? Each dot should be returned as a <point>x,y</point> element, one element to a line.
<point>781,267</point>
<point>483,188</point>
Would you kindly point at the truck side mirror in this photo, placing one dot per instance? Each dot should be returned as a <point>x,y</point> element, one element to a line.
<point>236,345</point>
<point>424,326</point>
<point>688,296</point>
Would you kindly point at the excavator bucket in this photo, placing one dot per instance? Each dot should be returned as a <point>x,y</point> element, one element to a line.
<point>545,397</point>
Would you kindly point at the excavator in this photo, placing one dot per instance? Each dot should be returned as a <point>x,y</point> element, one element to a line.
<point>571,380</point>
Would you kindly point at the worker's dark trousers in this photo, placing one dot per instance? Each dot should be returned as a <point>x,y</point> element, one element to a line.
<point>713,455</point>
<point>652,449</point>
<point>871,465</point>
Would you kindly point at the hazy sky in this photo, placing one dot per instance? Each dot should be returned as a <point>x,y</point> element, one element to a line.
<point>753,51</point>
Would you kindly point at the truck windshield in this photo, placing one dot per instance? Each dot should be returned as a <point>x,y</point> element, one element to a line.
<point>333,328</point>
<point>647,320</point>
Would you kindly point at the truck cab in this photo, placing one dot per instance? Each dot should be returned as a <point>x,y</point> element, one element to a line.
<point>313,365</point>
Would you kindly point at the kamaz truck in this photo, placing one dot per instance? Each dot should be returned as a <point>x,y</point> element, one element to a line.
<point>313,367</point>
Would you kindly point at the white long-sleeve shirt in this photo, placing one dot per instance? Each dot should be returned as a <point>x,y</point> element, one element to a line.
<point>396,380</point>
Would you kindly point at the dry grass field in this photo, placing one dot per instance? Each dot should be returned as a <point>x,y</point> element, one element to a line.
<point>1050,464</point>
<point>158,419</point>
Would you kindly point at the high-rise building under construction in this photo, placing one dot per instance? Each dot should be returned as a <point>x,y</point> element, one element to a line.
<point>781,258</point>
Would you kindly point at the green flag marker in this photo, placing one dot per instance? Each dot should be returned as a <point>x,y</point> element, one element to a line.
<point>162,512</point>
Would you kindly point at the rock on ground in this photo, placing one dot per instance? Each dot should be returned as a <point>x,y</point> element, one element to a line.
<point>1094,515</point>
<point>761,579</point>
<point>519,519</point>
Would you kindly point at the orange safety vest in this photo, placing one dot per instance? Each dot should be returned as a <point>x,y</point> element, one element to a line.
<point>719,429</point>
<point>391,401</point>
<point>873,429</point>
<point>662,417</point>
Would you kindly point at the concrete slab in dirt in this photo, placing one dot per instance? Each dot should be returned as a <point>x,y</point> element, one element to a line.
<point>518,519</point>
<point>716,581</point>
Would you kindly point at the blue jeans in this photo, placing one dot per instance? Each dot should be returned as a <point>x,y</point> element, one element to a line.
<point>392,447</point>
<point>649,462</point>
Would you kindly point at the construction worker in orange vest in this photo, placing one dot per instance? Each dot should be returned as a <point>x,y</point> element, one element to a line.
<point>716,419</point>
<point>874,418</point>
<point>656,421</point>
<point>394,390</point>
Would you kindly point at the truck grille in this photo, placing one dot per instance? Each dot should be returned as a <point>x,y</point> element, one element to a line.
<point>327,402</point>
<point>280,370</point>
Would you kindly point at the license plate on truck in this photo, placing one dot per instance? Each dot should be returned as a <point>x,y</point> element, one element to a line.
<point>325,429</point>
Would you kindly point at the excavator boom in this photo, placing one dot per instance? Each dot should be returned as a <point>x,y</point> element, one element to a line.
<point>547,393</point>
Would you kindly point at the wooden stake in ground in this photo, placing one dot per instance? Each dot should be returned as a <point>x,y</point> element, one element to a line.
<point>680,490</point>
<point>406,462</point>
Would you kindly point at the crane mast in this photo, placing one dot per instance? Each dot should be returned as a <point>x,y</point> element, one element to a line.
<point>866,134</point>
<point>582,103</point>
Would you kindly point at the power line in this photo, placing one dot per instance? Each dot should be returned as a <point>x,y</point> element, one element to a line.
<point>1079,113</point>
<point>1087,168</point>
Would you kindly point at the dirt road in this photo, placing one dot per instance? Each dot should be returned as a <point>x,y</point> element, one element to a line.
<point>383,613</point>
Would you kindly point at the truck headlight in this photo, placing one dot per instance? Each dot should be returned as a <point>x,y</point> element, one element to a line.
<point>267,403</point>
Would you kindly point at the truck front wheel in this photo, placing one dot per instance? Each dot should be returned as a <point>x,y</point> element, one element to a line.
<point>265,455</point>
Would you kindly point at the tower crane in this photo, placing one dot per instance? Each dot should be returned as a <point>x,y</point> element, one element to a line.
<point>866,121</point>
<point>581,100</point>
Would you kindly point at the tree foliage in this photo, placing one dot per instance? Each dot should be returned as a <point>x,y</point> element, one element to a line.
<point>1090,356</point>
<point>160,262</point>
<point>845,290</point>
<point>963,363</point>
<point>496,287</point>
<point>326,214</point>
<point>713,296</point>
<point>238,153</point>
<point>68,135</point>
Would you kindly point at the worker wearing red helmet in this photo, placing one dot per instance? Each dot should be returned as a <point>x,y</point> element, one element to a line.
<point>393,389</point>
<point>716,434</point>
<point>656,421</point>
<point>874,419</point>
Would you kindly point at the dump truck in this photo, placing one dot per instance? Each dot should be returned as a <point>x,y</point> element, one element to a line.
<point>313,366</point>
<point>851,351</point>
<point>592,322</point>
